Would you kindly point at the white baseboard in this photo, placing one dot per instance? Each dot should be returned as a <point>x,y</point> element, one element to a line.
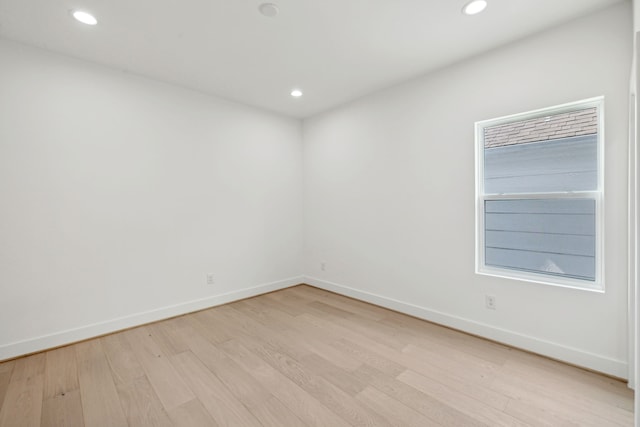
<point>57,339</point>
<point>617,368</point>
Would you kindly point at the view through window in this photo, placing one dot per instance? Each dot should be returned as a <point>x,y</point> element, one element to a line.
<point>539,195</point>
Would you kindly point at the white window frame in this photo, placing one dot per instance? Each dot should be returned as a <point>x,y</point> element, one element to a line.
<point>598,195</point>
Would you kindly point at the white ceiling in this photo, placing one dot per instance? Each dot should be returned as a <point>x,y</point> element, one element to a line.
<point>334,50</point>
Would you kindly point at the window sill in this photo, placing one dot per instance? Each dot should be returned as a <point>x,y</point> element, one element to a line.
<point>581,285</point>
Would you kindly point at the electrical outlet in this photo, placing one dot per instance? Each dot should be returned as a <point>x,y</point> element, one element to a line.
<point>323,266</point>
<point>210,280</point>
<point>490,302</point>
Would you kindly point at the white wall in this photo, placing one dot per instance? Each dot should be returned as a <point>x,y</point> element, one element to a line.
<point>389,193</point>
<point>118,194</point>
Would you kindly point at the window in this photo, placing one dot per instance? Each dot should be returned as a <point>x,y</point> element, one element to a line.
<point>539,195</point>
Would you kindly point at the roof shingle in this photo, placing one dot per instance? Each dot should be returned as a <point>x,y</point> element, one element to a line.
<point>564,125</point>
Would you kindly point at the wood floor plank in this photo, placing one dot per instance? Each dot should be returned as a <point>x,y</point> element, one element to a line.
<point>272,413</point>
<point>7,366</point>
<point>379,333</point>
<point>340,331</point>
<point>200,346</point>
<point>100,402</point>
<point>558,381</point>
<point>221,404</point>
<point>295,330</point>
<point>397,413</point>
<point>425,334</point>
<point>352,344</point>
<point>305,406</point>
<point>286,303</point>
<point>339,377</point>
<point>266,315</point>
<point>62,402</point>
<point>168,385</point>
<point>242,385</point>
<point>329,395</point>
<point>141,404</point>
<point>472,407</point>
<point>456,364</point>
<point>456,345</point>
<point>535,415</point>
<point>316,344</point>
<point>246,327</point>
<point>330,309</point>
<point>22,404</point>
<point>191,414</point>
<point>321,341</point>
<point>207,326</point>
<point>440,413</point>
<point>237,321</point>
<point>392,362</point>
<point>122,360</point>
<point>384,364</point>
<point>169,336</point>
<point>456,380</point>
<point>6,369</point>
<point>360,308</point>
<point>61,372</point>
<point>564,403</point>
<point>29,366</point>
<point>63,410</point>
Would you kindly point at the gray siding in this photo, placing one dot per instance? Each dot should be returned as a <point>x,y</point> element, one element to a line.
<point>545,236</point>
<point>568,164</point>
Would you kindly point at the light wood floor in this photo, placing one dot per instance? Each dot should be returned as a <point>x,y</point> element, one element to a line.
<point>297,357</point>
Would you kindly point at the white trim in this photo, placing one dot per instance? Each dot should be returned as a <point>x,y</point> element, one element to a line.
<point>634,292</point>
<point>543,279</point>
<point>596,101</point>
<point>57,339</point>
<point>632,240</point>
<point>575,356</point>
<point>571,355</point>
<point>598,285</point>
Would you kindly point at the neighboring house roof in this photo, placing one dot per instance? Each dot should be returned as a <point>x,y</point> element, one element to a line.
<point>574,123</point>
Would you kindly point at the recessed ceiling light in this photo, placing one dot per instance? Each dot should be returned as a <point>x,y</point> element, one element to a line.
<point>269,10</point>
<point>296,93</point>
<point>474,7</point>
<point>84,17</point>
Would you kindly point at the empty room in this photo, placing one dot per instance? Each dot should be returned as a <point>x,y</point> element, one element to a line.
<point>322,213</point>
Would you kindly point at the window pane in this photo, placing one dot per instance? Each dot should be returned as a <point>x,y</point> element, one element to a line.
<point>551,236</point>
<point>546,154</point>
